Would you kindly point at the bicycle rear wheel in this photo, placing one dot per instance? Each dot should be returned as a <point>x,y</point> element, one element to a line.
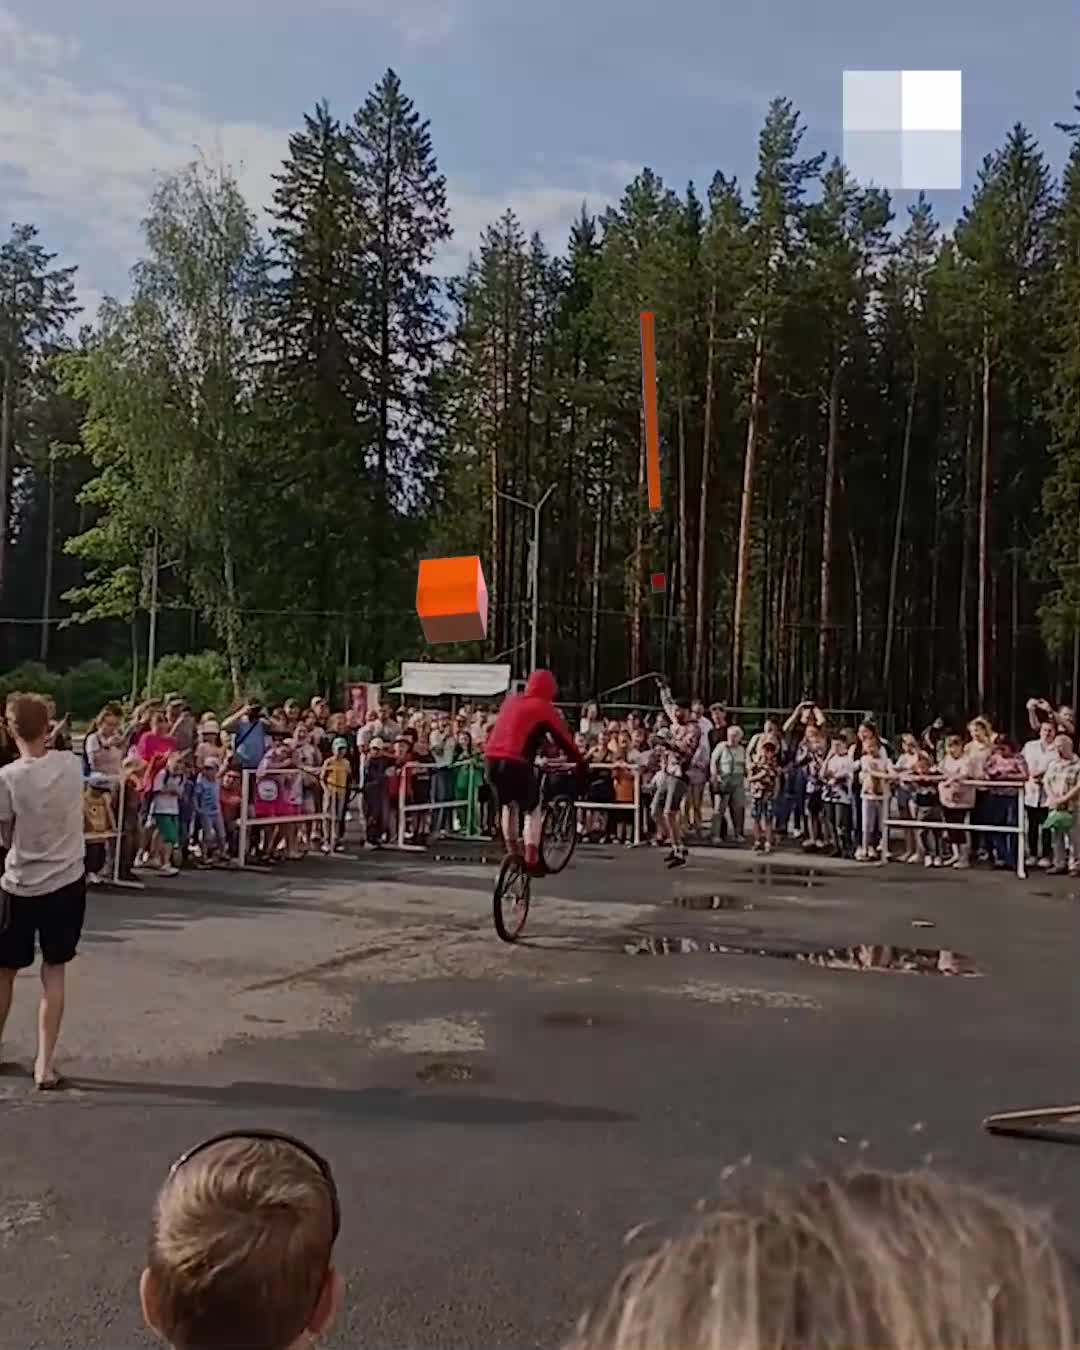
<point>511,898</point>
<point>558,834</point>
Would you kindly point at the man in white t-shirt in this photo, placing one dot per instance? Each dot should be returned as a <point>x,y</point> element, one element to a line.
<point>44,881</point>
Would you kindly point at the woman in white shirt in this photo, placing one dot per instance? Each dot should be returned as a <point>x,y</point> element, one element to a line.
<point>977,750</point>
<point>957,799</point>
<point>104,748</point>
<point>592,724</point>
<point>1038,755</point>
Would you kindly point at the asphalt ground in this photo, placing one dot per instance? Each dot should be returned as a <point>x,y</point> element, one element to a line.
<point>499,1117</point>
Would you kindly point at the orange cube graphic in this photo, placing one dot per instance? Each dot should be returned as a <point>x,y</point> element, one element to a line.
<point>452,599</point>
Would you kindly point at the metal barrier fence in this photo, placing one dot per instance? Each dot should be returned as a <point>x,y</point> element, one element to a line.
<point>439,809</point>
<point>114,836</point>
<point>957,827</point>
<point>468,803</point>
<point>250,820</point>
<point>602,807</point>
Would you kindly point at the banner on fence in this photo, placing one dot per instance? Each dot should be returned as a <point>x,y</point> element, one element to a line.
<point>361,698</point>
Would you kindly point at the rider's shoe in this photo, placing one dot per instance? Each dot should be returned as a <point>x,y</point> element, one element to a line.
<point>533,863</point>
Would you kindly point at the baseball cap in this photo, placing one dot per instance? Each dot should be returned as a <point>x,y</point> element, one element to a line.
<point>340,743</point>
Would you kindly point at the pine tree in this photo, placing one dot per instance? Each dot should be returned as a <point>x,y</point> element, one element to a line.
<point>36,301</point>
<point>1059,545</point>
<point>315,392</point>
<point>402,200</point>
<point>779,187</point>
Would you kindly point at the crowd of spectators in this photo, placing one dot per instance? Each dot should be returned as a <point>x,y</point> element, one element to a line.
<point>684,773</point>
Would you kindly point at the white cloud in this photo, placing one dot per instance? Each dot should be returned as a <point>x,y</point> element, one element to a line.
<point>88,159</point>
<point>22,45</point>
<point>84,161</point>
<point>550,209</point>
<point>419,22</point>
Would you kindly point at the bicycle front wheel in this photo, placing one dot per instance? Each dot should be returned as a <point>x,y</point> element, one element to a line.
<point>511,899</point>
<point>558,834</point>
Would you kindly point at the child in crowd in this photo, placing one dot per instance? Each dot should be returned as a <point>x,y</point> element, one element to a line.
<point>622,781</point>
<point>957,799</point>
<point>211,822</point>
<point>398,780</point>
<point>420,785</point>
<point>241,1247</point>
<point>728,771</point>
<point>764,786</point>
<point>810,762</point>
<point>277,792</point>
<point>1038,755</point>
<point>155,740</point>
<point>874,769</point>
<point>597,824</point>
<point>231,798</point>
<point>922,783</point>
<point>209,744</point>
<point>165,788</point>
<point>133,772</point>
<point>309,762</point>
<point>103,749</point>
<point>335,777</point>
<point>903,797</point>
<point>1063,817</point>
<point>186,819</point>
<point>978,750</point>
<point>466,782</point>
<point>1006,769</point>
<point>837,776</point>
<point>645,759</point>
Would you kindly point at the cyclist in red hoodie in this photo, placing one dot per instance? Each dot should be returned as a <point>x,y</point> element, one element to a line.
<point>524,723</point>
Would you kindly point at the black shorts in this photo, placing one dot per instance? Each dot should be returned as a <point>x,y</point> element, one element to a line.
<point>515,782</point>
<point>54,920</point>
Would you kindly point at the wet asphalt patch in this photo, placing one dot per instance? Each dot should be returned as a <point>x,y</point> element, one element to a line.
<point>863,957</point>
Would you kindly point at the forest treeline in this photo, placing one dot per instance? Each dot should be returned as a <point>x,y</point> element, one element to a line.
<point>870,428</point>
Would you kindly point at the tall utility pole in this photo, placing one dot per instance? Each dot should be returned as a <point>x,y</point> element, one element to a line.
<point>534,565</point>
<point>151,638</point>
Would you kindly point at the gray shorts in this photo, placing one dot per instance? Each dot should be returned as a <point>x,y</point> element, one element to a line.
<point>670,794</point>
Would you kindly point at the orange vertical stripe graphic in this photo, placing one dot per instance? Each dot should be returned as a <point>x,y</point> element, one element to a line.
<point>648,395</point>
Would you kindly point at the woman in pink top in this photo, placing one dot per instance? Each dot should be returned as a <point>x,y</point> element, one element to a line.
<point>156,740</point>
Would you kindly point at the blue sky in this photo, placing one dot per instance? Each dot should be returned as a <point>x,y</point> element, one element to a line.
<point>536,106</point>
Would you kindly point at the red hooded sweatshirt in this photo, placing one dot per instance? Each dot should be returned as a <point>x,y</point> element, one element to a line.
<point>526,720</point>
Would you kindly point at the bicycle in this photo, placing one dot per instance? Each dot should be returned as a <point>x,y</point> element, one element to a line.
<point>558,839</point>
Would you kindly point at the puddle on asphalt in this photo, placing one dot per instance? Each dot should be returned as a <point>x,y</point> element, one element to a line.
<point>440,1072</point>
<point>713,902</point>
<point>906,960</point>
<point>567,1018</point>
<point>763,874</point>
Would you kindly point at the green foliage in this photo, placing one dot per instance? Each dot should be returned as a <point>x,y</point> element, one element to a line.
<point>80,693</point>
<point>203,679</point>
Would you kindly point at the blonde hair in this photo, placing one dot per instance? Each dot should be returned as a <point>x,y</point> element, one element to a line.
<point>240,1246</point>
<point>872,1261</point>
<point>981,725</point>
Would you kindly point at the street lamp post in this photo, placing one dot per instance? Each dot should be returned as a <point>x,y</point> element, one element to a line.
<point>534,570</point>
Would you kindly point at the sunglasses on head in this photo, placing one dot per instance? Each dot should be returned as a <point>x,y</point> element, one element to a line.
<point>274,1136</point>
